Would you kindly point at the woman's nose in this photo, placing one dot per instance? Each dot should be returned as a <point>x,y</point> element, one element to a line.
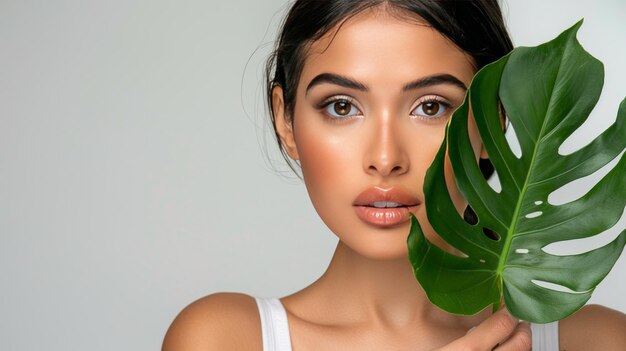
<point>386,153</point>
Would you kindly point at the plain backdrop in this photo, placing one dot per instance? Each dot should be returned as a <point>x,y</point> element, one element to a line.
<point>133,163</point>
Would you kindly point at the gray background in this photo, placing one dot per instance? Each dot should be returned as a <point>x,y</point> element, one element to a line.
<point>133,178</point>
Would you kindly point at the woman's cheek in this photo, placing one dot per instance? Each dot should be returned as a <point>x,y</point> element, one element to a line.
<point>329,165</point>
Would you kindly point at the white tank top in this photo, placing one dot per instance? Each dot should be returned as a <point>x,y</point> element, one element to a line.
<point>275,329</point>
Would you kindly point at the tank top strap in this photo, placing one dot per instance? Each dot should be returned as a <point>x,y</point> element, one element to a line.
<point>545,336</point>
<point>274,325</point>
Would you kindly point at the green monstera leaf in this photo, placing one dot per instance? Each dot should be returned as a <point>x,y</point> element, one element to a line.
<point>547,92</point>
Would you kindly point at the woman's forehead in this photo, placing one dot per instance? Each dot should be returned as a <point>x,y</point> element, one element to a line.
<point>385,48</point>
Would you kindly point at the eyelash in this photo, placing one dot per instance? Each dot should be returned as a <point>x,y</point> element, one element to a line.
<point>335,99</point>
<point>423,100</point>
<point>430,99</point>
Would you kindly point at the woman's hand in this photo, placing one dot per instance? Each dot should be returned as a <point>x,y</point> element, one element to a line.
<point>501,332</point>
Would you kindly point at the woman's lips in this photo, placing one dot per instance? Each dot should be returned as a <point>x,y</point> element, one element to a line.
<point>385,207</point>
<point>383,217</point>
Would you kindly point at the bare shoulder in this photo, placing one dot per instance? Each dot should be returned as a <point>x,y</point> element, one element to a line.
<point>223,321</point>
<point>594,327</point>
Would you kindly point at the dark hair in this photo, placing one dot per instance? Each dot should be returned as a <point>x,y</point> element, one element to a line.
<point>475,26</point>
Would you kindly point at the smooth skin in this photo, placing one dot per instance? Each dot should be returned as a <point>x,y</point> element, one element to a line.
<point>374,132</point>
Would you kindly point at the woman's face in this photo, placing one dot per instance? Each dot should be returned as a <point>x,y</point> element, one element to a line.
<point>371,108</point>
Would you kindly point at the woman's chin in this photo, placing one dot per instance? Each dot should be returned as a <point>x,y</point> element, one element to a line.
<point>378,244</point>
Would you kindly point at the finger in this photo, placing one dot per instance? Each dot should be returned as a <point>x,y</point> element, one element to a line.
<point>494,330</point>
<point>520,340</point>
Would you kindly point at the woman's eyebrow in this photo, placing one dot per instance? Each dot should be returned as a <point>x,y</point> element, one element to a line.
<point>434,80</point>
<point>336,79</point>
<point>350,83</point>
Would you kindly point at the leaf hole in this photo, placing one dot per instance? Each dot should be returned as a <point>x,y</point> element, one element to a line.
<point>538,203</point>
<point>579,246</point>
<point>589,130</point>
<point>482,261</point>
<point>521,251</point>
<point>554,287</point>
<point>491,234</point>
<point>577,188</point>
<point>494,182</point>
<point>490,174</point>
<point>511,138</point>
<point>534,214</point>
<point>470,216</point>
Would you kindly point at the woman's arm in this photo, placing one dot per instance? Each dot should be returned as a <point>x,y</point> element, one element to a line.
<point>594,327</point>
<point>224,321</point>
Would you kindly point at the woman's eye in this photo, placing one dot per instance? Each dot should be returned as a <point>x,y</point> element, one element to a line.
<point>341,109</point>
<point>431,109</point>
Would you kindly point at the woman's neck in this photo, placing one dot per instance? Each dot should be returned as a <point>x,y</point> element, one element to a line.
<point>357,289</point>
<point>383,290</point>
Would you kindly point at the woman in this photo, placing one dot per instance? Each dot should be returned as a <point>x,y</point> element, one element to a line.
<point>360,93</point>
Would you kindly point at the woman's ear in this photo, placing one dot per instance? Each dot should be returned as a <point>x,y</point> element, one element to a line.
<point>283,124</point>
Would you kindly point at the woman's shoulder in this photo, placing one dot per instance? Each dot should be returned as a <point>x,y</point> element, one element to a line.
<point>222,321</point>
<point>594,327</point>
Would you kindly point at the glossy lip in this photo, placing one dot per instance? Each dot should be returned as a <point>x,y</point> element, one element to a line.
<point>385,217</point>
